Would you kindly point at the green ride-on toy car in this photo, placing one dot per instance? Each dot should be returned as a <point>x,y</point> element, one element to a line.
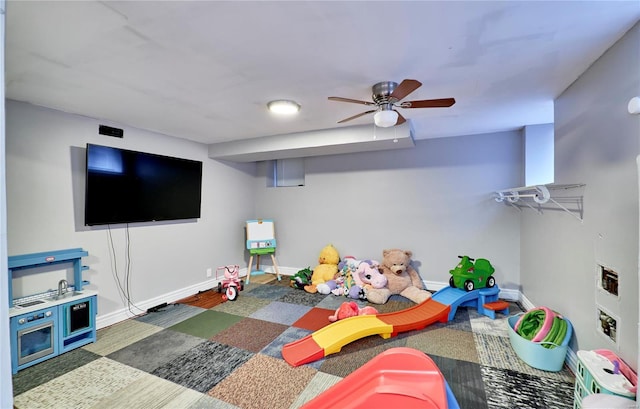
<point>472,276</point>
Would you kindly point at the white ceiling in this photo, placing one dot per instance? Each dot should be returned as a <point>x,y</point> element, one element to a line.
<point>205,70</point>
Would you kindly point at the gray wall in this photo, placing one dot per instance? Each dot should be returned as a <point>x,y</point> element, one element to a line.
<point>434,199</point>
<point>596,143</point>
<point>45,185</point>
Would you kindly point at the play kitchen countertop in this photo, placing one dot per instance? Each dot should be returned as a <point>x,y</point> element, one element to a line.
<point>32,305</point>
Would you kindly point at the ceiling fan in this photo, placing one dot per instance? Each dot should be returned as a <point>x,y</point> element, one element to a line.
<point>386,98</point>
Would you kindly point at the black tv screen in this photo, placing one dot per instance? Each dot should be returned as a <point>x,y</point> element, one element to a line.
<point>124,186</point>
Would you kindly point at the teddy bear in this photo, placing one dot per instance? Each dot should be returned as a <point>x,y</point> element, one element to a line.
<point>326,270</point>
<point>402,279</point>
<point>351,309</point>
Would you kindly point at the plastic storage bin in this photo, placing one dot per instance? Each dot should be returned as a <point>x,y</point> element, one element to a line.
<point>534,354</point>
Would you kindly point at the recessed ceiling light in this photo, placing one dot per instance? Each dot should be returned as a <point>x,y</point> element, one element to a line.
<point>283,107</point>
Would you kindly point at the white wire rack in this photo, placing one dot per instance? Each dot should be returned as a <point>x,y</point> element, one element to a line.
<point>535,197</point>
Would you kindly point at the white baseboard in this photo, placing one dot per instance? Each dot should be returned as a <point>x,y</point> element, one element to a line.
<point>142,306</point>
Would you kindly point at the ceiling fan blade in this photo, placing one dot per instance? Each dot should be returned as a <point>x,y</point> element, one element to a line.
<point>401,119</point>
<point>357,116</point>
<point>405,88</point>
<point>355,101</point>
<point>428,103</point>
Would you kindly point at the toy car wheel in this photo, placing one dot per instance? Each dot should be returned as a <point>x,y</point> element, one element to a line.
<point>468,285</point>
<point>452,282</point>
<point>232,293</point>
<point>219,287</point>
<point>241,285</point>
<point>491,281</point>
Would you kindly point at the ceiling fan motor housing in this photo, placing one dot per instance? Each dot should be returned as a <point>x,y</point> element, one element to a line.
<point>382,93</point>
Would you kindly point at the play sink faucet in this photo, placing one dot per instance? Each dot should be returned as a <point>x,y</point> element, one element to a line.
<point>62,287</point>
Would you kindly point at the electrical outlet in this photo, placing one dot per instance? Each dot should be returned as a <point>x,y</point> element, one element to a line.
<point>209,272</point>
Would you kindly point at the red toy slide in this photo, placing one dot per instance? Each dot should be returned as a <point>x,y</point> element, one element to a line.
<point>333,337</point>
<point>397,378</point>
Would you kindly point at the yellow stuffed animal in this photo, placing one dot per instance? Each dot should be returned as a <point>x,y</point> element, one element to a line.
<point>326,270</point>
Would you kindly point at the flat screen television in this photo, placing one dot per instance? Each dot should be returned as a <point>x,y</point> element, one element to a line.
<point>124,186</point>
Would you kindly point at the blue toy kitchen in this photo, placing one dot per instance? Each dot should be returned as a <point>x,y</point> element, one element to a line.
<point>52,322</point>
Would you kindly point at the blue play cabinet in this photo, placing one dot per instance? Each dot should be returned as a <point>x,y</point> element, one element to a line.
<point>48,324</point>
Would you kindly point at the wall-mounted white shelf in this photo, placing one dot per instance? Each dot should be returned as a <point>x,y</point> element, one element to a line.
<point>536,197</point>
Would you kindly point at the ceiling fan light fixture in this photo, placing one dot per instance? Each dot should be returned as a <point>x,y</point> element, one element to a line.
<point>385,119</point>
<point>283,107</point>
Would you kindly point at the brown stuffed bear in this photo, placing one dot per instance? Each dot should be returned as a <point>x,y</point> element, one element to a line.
<point>402,279</point>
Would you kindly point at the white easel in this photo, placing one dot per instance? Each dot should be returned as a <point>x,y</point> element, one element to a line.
<point>261,240</point>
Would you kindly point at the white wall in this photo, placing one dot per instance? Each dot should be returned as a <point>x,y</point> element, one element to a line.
<point>45,199</point>
<point>538,154</point>
<point>596,142</point>
<point>434,199</point>
<point>6,384</point>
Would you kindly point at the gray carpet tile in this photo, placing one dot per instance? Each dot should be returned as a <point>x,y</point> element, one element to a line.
<point>291,334</point>
<point>202,367</point>
<point>120,335</point>
<point>170,315</point>
<point>82,387</point>
<point>208,402</point>
<point>512,389</point>
<point>281,312</point>
<point>45,371</point>
<point>156,350</point>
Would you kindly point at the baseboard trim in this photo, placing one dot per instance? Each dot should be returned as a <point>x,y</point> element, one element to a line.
<point>141,307</point>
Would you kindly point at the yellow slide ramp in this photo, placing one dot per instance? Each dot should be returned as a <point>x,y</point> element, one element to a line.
<point>333,337</point>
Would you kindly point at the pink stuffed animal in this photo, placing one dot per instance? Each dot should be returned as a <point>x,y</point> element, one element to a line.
<point>351,309</point>
<point>368,276</point>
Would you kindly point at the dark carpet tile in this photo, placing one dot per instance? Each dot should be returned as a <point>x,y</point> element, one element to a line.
<point>510,389</point>
<point>250,334</point>
<point>333,302</point>
<point>270,291</point>
<point>354,355</point>
<point>38,374</point>
<point>393,305</point>
<point>156,350</point>
<point>204,366</point>
<point>460,321</point>
<point>465,380</point>
<point>170,315</point>
<point>301,297</point>
<point>206,324</point>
